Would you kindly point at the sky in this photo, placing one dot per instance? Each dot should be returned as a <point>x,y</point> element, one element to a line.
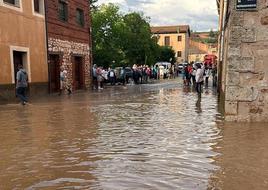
<point>201,15</point>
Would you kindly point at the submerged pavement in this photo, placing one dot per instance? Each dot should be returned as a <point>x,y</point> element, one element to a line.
<point>154,136</point>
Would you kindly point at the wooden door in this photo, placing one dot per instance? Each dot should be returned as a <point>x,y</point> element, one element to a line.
<point>78,72</point>
<point>54,73</point>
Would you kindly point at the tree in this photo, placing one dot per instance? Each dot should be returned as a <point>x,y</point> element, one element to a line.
<point>106,24</point>
<point>211,34</point>
<point>167,54</point>
<point>122,40</point>
<point>139,46</point>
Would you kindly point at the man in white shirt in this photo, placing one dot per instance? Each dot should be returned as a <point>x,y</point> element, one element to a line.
<point>199,78</point>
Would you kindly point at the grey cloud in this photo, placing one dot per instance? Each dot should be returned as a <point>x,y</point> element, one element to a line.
<point>199,19</point>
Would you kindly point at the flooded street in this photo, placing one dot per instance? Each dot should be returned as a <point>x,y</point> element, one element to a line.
<point>155,136</point>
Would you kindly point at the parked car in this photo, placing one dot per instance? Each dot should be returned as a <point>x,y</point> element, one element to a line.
<point>129,73</point>
<point>181,66</point>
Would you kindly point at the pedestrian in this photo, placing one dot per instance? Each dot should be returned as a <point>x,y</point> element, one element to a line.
<point>136,76</point>
<point>22,84</point>
<point>112,76</point>
<point>99,77</point>
<point>94,74</point>
<point>199,78</point>
<point>193,76</point>
<point>190,70</point>
<point>123,76</point>
<point>207,75</point>
<point>64,85</point>
<point>186,76</point>
<point>214,75</point>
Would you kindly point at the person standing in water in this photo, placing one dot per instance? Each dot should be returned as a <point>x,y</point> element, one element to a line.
<point>22,84</point>
<point>199,78</point>
<point>64,81</point>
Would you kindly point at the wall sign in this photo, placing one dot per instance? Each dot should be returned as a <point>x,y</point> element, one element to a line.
<point>246,4</point>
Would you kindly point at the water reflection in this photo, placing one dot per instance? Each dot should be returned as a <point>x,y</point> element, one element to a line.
<point>158,136</point>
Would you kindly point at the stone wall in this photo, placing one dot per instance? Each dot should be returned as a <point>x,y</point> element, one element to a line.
<point>246,64</point>
<point>66,49</point>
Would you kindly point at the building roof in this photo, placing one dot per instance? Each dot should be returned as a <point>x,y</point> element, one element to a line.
<point>170,29</point>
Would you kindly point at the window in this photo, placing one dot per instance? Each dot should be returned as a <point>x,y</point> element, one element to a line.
<point>15,3</point>
<point>80,17</point>
<point>179,39</point>
<point>39,6</point>
<point>167,41</point>
<point>179,54</point>
<point>63,11</point>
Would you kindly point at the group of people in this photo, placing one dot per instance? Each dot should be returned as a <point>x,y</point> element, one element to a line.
<point>101,75</point>
<point>198,74</point>
<point>140,74</point>
<point>22,83</point>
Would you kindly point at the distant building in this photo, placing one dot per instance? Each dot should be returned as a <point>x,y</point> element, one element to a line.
<point>22,40</point>
<point>177,37</point>
<point>69,43</point>
<point>201,44</point>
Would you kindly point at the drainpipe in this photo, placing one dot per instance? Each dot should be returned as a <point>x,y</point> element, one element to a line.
<point>48,66</point>
<point>221,41</point>
<point>90,46</point>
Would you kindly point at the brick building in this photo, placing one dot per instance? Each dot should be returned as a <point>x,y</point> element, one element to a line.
<point>69,43</point>
<point>243,56</point>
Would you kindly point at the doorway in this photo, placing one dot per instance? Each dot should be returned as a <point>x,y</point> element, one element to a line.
<point>19,57</point>
<point>78,72</point>
<point>54,73</point>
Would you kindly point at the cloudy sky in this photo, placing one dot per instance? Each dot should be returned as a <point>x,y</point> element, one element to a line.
<point>201,15</point>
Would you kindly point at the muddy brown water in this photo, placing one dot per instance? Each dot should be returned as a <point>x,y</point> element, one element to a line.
<point>156,136</point>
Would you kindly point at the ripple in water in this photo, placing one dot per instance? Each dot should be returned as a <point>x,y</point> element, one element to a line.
<point>146,137</point>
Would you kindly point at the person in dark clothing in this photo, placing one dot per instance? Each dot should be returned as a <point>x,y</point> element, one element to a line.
<point>123,76</point>
<point>22,84</point>
<point>112,77</point>
<point>136,76</point>
<point>214,75</point>
<point>186,73</point>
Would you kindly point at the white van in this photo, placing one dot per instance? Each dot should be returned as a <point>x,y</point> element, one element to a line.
<point>163,68</point>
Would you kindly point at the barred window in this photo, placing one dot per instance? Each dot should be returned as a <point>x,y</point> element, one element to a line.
<point>63,11</point>
<point>167,41</point>
<point>80,17</point>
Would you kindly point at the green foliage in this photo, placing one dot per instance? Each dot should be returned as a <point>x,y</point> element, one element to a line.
<point>167,54</point>
<point>106,25</point>
<point>212,38</point>
<point>138,44</point>
<point>122,40</point>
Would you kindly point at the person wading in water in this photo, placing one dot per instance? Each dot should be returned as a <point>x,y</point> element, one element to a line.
<point>64,82</point>
<point>199,79</point>
<point>22,84</point>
